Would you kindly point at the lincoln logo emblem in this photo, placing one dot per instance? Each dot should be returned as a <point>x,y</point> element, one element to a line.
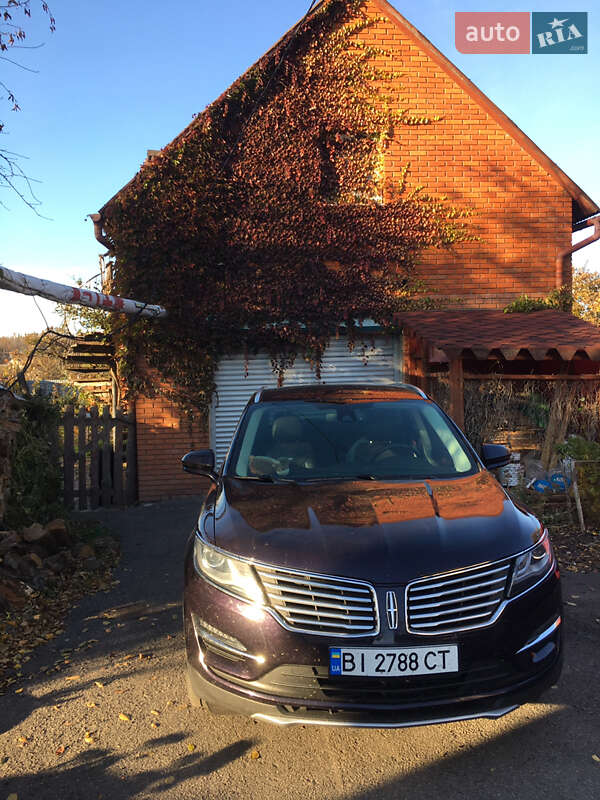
<point>391,607</point>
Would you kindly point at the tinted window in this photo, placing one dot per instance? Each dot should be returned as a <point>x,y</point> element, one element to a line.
<point>302,440</point>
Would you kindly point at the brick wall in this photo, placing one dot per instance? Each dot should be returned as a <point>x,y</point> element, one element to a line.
<point>520,212</point>
<point>164,435</point>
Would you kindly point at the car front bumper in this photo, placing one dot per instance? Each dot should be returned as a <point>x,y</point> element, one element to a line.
<point>232,699</point>
<point>503,666</point>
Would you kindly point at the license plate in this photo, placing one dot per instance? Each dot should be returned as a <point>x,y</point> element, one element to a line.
<point>381,661</point>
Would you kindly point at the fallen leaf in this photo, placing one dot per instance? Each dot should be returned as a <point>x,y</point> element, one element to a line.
<point>18,691</point>
<point>155,712</point>
<point>60,750</point>
<point>155,724</point>
<point>22,740</point>
<point>255,754</point>
<point>595,757</point>
<point>191,747</point>
<point>13,796</point>
<point>91,704</point>
<point>125,717</point>
<point>88,738</point>
<point>100,684</point>
<point>73,678</point>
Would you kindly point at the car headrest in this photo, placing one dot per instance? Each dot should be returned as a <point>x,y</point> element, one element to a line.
<point>287,429</point>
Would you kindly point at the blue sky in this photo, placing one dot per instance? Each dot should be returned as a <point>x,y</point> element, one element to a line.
<point>116,79</point>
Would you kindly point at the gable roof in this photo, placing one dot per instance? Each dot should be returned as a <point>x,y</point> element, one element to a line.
<point>583,205</point>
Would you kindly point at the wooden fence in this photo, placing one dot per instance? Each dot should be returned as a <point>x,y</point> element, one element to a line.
<point>99,458</point>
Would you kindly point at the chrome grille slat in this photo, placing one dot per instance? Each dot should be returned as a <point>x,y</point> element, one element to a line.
<point>454,602</point>
<point>328,624</point>
<point>454,591</point>
<point>468,575</point>
<point>320,604</point>
<point>450,621</point>
<point>321,584</point>
<point>306,605</point>
<point>470,607</point>
<point>308,593</point>
<point>317,612</point>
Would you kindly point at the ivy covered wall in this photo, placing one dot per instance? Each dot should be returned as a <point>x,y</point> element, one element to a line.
<point>264,226</point>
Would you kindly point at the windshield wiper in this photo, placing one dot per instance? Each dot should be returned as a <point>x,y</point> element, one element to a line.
<point>262,478</point>
<point>338,478</point>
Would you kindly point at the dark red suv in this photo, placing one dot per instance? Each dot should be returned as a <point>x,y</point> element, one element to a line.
<point>355,563</point>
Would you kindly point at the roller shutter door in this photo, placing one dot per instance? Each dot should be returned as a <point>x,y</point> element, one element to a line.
<point>234,386</point>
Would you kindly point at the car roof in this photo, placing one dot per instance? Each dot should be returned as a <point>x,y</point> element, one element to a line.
<point>340,392</point>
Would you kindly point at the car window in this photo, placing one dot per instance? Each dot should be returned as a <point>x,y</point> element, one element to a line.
<point>311,440</point>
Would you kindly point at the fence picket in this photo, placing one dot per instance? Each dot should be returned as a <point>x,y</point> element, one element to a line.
<point>81,459</point>
<point>94,459</point>
<point>106,481</point>
<point>68,456</point>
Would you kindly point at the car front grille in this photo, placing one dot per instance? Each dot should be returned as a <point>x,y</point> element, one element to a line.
<point>320,604</point>
<point>457,600</point>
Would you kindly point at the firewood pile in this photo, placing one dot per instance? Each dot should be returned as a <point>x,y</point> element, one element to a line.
<point>34,558</point>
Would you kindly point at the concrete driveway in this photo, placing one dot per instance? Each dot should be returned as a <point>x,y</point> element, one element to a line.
<point>113,722</point>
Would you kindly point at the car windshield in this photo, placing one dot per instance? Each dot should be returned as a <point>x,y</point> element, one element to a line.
<point>312,441</point>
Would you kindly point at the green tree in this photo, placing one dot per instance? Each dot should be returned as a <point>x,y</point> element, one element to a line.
<point>586,294</point>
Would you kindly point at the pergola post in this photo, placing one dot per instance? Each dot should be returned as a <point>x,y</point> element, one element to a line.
<point>457,391</point>
<point>415,360</point>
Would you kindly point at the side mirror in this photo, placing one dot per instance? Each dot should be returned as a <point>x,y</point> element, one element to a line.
<point>200,462</point>
<point>495,456</point>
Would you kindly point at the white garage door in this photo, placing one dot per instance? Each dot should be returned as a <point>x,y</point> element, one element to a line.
<point>234,386</point>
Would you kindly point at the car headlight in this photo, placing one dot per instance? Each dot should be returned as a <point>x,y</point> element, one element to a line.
<point>531,566</point>
<point>227,572</point>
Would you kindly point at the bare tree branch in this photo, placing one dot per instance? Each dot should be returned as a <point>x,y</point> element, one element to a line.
<point>14,15</point>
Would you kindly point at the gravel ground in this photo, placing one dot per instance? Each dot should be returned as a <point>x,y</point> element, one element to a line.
<point>115,723</point>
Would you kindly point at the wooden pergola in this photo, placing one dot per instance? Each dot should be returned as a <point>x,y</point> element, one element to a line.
<point>484,344</point>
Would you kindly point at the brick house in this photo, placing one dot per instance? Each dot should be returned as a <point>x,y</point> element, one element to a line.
<point>524,211</point>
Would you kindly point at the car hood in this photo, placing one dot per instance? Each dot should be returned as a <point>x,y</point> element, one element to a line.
<point>383,532</point>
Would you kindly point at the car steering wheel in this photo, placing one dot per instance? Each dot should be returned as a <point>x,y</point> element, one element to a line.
<point>393,449</point>
<point>375,451</point>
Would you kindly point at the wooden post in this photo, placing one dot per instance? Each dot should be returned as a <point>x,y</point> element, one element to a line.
<point>68,456</point>
<point>414,356</point>
<point>118,460</point>
<point>557,422</point>
<point>578,499</point>
<point>94,459</point>
<point>131,458</point>
<point>457,392</point>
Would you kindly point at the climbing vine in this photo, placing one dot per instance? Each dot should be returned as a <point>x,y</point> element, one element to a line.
<point>269,223</point>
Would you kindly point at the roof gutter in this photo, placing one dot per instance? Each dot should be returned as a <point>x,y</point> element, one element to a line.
<point>561,258</point>
<point>98,231</point>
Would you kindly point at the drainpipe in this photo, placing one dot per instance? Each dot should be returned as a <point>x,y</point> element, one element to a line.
<point>562,256</point>
<point>97,220</point>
